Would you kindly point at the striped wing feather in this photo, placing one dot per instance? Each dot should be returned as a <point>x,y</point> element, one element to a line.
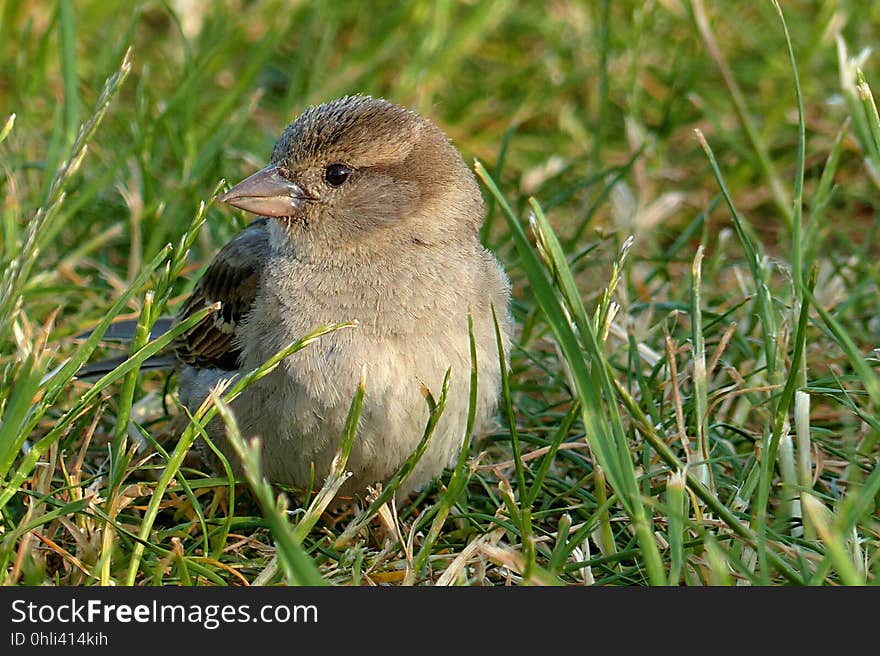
<point>232,278</point>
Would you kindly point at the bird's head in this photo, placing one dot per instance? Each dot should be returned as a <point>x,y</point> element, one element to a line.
<point>359,169</point>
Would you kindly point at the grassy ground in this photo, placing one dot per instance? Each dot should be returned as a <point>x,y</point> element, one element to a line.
<point>693,396</point>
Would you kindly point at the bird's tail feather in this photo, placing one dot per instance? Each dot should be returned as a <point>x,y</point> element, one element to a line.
<point>123,331</point>
<point>102,367</point>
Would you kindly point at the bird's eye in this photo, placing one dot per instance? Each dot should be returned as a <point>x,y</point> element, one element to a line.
<point>336,174</point>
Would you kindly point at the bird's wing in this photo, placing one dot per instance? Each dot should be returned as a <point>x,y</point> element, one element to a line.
<point>232,278</point>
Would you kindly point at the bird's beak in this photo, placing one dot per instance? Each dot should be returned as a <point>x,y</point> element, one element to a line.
<point>266,193</point>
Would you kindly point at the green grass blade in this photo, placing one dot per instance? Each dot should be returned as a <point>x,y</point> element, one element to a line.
<point>298,567</point>
<point>205,414</point>
<point>608,442</point>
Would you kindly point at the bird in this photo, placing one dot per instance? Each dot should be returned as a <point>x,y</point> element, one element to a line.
<point>367,213</point>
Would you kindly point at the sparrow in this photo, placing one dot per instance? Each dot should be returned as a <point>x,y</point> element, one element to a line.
<point>368,214</point>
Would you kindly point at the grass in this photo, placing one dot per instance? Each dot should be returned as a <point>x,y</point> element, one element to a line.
<point>683,193</point>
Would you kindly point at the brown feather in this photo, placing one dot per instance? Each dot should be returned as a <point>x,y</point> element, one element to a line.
<point>232,278</point>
